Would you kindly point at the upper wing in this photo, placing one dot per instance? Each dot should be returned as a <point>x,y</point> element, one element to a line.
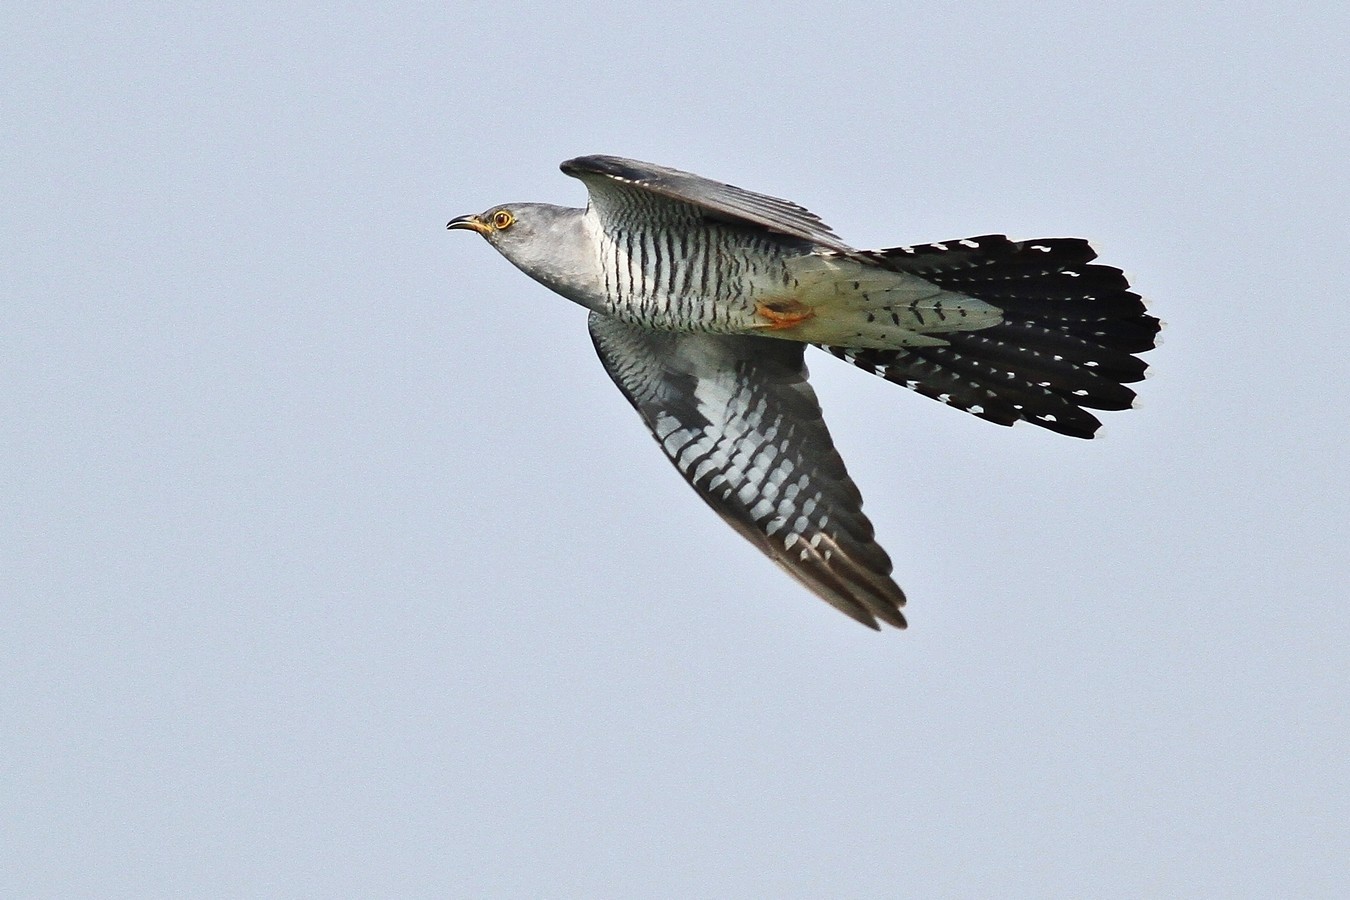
<point>737,417</point>
<point>613,181</point>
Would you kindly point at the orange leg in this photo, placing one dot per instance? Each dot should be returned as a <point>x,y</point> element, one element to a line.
<point>780,313</point>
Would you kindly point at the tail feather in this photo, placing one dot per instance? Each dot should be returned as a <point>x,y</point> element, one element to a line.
<point>1012,359</point>
<point>1138,334</point>
<point>931,379</point>
<point>1066,342</point>
<point>1113,342</point>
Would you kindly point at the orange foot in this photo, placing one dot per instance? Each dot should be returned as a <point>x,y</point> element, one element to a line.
<point>783,312</point>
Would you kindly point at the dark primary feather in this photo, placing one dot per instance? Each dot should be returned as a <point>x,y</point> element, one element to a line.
<point>722,202</point>
<point>736,416</point>
<point>1066,344</point>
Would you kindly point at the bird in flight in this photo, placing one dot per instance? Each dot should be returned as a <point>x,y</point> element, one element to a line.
<point>703,298</point>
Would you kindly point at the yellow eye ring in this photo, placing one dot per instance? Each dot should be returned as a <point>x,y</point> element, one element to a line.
<point>502,220</point>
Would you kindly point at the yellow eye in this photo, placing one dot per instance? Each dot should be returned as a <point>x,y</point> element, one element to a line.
<point>502,220</point>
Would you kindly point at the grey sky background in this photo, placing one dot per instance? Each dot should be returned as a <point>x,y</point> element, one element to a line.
<point>333,565</point>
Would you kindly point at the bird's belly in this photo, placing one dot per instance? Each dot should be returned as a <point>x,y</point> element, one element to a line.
<point>707,281</point>
<point>728,314</point>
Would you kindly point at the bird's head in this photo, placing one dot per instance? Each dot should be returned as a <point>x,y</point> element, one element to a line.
<point>513,226</point>
<point>546,242</point>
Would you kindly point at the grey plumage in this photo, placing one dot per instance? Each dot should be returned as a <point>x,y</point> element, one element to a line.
<point>737,417</point>
<point>703,297</point>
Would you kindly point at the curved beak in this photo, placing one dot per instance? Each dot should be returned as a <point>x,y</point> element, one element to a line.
<point>471,223</point>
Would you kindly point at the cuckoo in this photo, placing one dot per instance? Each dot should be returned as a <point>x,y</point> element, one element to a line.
<point>704,296</point>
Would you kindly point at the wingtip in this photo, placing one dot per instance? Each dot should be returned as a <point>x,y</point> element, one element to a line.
<point>895,620</point>
<point>600,164</point>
